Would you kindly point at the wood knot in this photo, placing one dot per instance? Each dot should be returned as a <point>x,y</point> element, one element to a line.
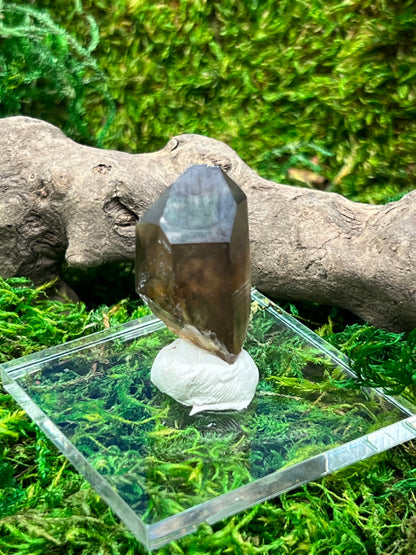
<point>43,190</point>
<point>102,168</point>
<point>123,216</point>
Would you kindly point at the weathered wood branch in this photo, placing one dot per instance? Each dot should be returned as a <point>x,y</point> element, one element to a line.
<point>64,201</point>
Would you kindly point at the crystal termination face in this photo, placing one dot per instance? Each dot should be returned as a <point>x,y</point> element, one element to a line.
<point>193,261</point>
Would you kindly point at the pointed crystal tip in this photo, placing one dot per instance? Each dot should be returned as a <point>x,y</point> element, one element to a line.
<point>193,262</point>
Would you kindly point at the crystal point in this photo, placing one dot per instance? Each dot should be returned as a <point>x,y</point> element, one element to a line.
<point>192,260</point>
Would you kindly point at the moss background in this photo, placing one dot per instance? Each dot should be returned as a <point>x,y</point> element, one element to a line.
<point>322,86</point>
<point>281,82</point>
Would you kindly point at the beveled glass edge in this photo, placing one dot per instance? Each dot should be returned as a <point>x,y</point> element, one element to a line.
<point>158,534</point>
<point>130,330</point>
<point>97,482</point>
<point>406,406</point>
<point>310,336</point>
<point>281,481</point>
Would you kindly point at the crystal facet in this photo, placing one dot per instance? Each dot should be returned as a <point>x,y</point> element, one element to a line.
<point>193,263</point>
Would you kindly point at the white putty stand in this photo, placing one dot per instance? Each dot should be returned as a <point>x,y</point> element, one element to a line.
<point>198,378</point>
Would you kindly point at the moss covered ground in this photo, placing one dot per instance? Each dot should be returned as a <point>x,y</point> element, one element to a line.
<point>325,87</point>
<point>46,507</point>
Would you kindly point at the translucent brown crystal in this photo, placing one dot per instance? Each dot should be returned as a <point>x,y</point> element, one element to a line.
<point>193,263</point>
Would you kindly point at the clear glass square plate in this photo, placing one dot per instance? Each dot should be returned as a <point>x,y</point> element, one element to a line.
<point>164,472</point>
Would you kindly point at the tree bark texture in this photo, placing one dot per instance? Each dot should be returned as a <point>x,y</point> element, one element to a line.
<point>64,201</point>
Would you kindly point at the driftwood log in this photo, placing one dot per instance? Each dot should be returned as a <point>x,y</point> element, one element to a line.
<point>64,201</point>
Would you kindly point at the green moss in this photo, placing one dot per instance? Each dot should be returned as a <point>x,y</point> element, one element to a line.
<point>279,83</point>
<point>46,72</point>
<point>381,359</point>
<point>46,507</point>
<point>29,321</point>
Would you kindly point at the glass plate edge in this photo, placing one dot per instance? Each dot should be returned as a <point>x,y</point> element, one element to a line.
<point>64,445</point>
<point>281,481</point>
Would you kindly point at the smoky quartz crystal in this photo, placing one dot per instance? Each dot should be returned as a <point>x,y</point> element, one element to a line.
<point>193,263</point>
